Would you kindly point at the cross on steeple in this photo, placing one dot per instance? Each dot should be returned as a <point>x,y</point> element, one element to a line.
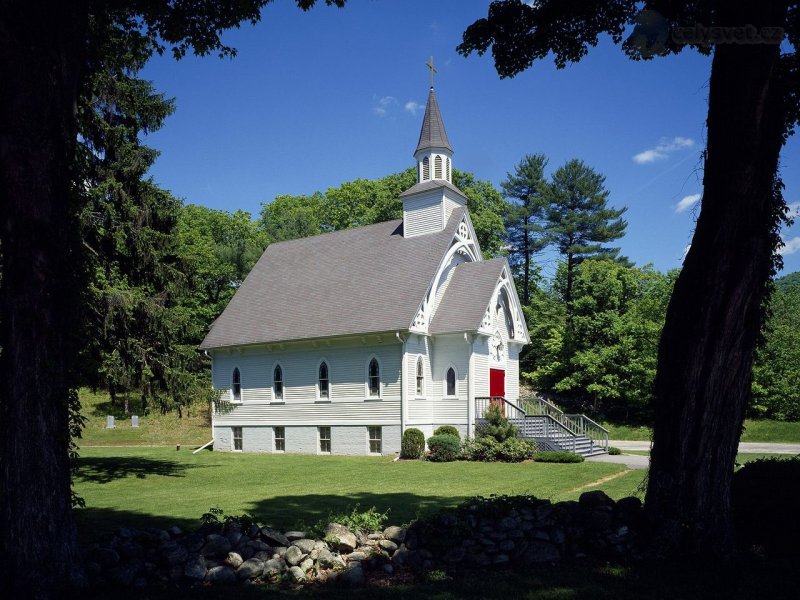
<point>429,64</point>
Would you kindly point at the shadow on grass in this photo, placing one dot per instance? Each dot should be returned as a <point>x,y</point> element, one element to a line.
<point>97,469</point>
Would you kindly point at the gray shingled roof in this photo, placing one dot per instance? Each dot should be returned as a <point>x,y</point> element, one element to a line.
<point>467,295</point>
<point>431,184</point>
<point>432,134</point>
<point>356,281</point>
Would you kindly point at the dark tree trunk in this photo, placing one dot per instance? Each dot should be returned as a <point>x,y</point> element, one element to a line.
<point>706,352</point>
<point>41,52</point>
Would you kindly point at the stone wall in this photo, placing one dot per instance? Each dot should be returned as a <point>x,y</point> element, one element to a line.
<point>480,534</point>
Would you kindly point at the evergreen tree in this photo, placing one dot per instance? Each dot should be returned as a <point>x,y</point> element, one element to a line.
<point>579,220</point>
<point>525,218</point>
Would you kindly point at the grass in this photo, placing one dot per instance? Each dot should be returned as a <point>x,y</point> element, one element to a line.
<point>154,428</point>
<point>138,486</point>
<point>762,430</point>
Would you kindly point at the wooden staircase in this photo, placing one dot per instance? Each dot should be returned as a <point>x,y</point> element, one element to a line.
<point>547,425</point>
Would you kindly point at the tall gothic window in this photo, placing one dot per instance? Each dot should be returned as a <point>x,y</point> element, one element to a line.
<point>426,169</point>
<point>277,380</point>
<point>420,378</point>
<point>323,381</point>
<point>437,167</point>
<point>236,385</point>
<point>374,378</point>
<point>451,381</point>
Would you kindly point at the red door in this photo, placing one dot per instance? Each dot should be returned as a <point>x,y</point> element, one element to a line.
<point>497,386</point>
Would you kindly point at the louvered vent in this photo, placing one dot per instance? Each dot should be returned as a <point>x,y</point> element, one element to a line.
<point>437,167</point>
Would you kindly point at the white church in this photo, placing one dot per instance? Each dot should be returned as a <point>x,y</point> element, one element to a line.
<point>337,343</point>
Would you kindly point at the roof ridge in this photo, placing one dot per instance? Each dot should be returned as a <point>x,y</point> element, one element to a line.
<point>334,232</point>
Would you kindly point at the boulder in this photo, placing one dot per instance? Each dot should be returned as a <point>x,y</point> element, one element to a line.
<point>216,545</point>
<point>294,555</point>
<point>296,575</point>
<point>540,552</point>
<point>387,545</point>
<point>250,568</point>
<point>295,535</point>
<point>222,575</point>
<point>124,575</point>
<point>325,558</point>
<point>305,545</point>
<point>175,554</point>
<point>306,565</point>
<point>234,559</point>
<point>344,539</point>
<point>274,566</point>
<point>595,499</point>
<point>353,576</point>
<point>356,556</point>
<point>195,568</point>
<point>175,531</point>
<point>274,537</point>
<point>105,557</point>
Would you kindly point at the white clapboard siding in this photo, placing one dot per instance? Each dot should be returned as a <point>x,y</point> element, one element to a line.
<point>512,373</point>
<point>347,370</point>
<point>451,202</point>
<point>481,375</point>
<point>381,412</point>
<point>450,350</point>
<point>422,214</point>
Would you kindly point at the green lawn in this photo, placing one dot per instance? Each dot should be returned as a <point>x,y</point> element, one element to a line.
<point>154,428</point>
<point>138,486</point>
<point>763,430</point>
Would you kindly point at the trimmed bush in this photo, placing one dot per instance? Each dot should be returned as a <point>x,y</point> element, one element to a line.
<point>515,450</point>
<point>413,444</point>
<point>448,430</point>
<point>497,425</point>
<point>614,451</point>
<point>557,457</point>
<point>444,448</point>
<point>483,449</point>
<point>764,497</point>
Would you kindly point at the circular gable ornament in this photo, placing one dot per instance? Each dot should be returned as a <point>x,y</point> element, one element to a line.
<point>497,349</point>
<point>463,231</point>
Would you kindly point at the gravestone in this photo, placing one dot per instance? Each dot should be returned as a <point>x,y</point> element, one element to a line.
<point>109,422</point>
<point>135,421</point>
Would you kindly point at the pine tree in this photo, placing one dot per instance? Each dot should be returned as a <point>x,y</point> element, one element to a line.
<point>579,220</point>
<point>525,218</point>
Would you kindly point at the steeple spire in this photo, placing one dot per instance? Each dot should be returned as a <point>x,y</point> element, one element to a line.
<point>433,134</point>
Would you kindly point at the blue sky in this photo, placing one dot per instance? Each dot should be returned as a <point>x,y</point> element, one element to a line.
<point>316,99</point>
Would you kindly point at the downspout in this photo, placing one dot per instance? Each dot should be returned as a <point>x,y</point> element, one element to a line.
<point>470,339</point>
<point>403,383</point>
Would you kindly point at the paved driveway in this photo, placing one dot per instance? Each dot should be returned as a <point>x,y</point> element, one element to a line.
<point>753,447</point>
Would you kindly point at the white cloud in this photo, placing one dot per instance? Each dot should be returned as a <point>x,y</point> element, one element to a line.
<point>789,246</point>
<point>664,148</point>
<point>412,107</point>
<point>687,202</point>
<point>383,104</point>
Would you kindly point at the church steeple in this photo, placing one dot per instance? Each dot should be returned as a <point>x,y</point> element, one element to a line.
<point>434,152</point>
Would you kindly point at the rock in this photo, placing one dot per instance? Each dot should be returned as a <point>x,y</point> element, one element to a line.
<point>247,552</point>
<point>123,574</point>
<point>222,575</point>
<point>194,542</point>
<point>195,568</point>
<point>541,552</point>
<point>250,568</point>
<point>325,558</point>
<point>126,532</point>
<point>353,576</point>
<point>175,555</point>
<point>105,557</point>
<point>306,565</point>
<point>454,555</point>
<point>305,545</point>
<point>595,499</point>
<point>274,566</point>
<point>175,531</point>
<point>295,535</point>
<point>387,545</point>
<point>501,559</point>
<point>258,546</point>
<point>338,562</point>
<point>506,546</point>
<point>280,550</point>
<point>356,556</point>
<point>216,545</point>
<point>375,536</point>
<point>234,536</point>
<point>388,569</point>
<point>234,559</point>
<point>400,557</point>
<point>344,539</point>
<point>294,555</point>
<point>262,556</point>
<point>296,575</point>
<point>274,537</point>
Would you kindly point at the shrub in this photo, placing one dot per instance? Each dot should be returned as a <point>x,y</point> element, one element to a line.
<point>614,451</point>
<point>413,444</point>
<point>557,457</point>
<point>444,448</point>
<point>365,521</point>
<point>448,430</point>
<point>515,450</point>
<point>483,449</point>
<point>497,425</point>
<point>764,500</point>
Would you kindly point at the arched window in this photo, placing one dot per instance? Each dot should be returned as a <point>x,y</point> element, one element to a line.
<point>374,378</point>
<point>426,169</point>
<point>450,380</point>
<point>448,170</point>
<point>277,380</point>
<point>323,381</point>
<point>236,385</point>
<point>437,167</point>
<point>420,377</point>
